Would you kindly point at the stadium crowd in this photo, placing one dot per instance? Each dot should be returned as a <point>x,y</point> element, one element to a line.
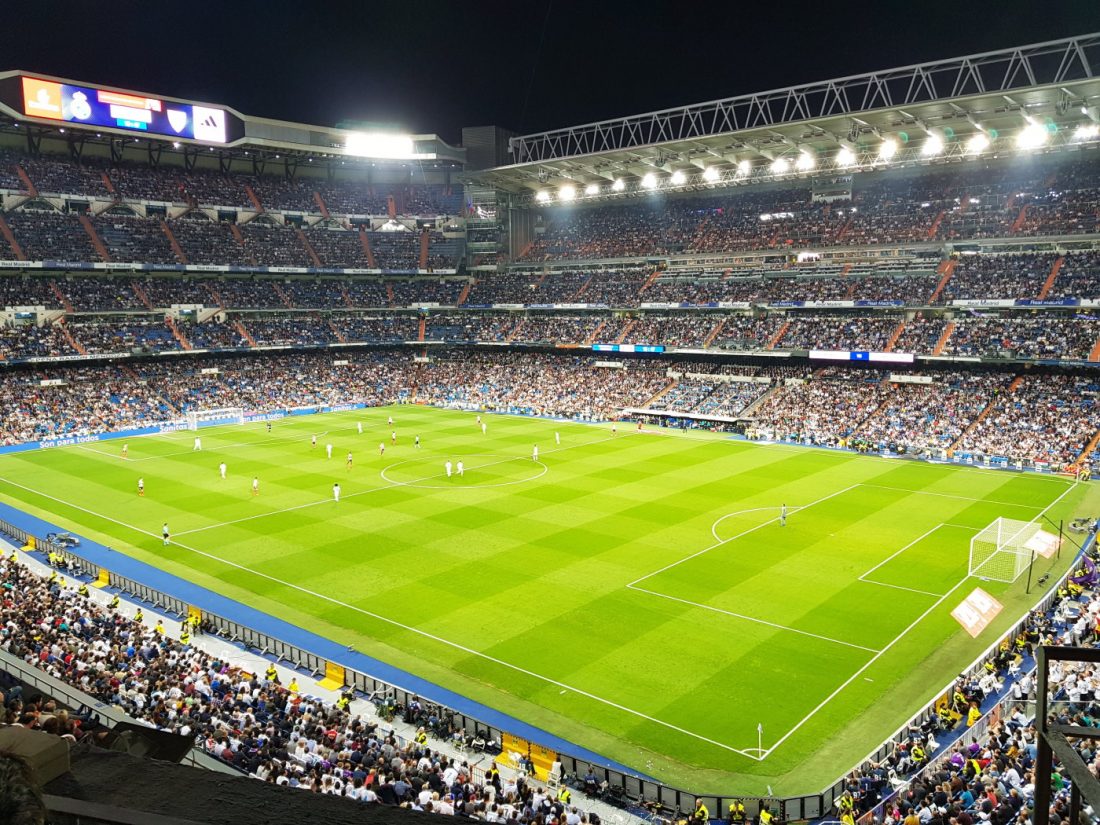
<point>266,729</point>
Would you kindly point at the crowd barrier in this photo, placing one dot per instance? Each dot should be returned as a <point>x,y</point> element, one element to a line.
<point>471,717</point>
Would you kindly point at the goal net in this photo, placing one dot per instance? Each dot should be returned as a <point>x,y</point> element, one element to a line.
<point>1004,549</point>
<point>219,415</point>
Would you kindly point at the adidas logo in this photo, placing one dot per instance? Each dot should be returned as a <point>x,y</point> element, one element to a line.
<point>210,122</point>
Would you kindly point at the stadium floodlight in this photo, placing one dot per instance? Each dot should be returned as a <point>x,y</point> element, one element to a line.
<point>711,174</point>
<point>380,145</point>
<point>779,166</point>
<point>1031,136</point>
<point>592,189</point>
<point>744,167</point>
<point>977,144</point>
<point>617,185</point>
<point>678,178</point>
<point>542,196</point>
<point>805,162</point>
<point>567,192</point>
<point>845,157</point>
<point>933,145</point>
<point>888,149</point>
<point>649,181</point>
<point>1087,131</point>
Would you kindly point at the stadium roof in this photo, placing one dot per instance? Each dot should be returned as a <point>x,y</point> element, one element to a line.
<point>1039,97</point>
<point>42,105</point>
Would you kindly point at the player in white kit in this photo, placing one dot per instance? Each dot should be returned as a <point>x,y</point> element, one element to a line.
<point>393,437</point>
<point>461,468</point>
<point>255,485</point>
<point>336,491</point>
<point>389,420</point>
<point>416,443</point>
<point>313,441</point>
<point>535,453</point>
<point>483,428</point>
<point>198,444</point>
<point>221,469</point>
<point>328,451</point>
<point>557,438</point>
<point>381,448</point>
<point>447,467</point>
<point>359,427</point>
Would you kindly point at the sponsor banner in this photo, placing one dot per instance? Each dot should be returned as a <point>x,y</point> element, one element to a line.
<point>344,407</point>
<point>1044,543</point>
<point>507,306</point>
<point>611,365</point>
<point>206,268</point>
<point>209,371</point>
<point>66,265</point>
<point>879,303</point>
<point>983,302</point>
<point>976,611</point>
<point>53,382</point>
<point>427,305</point>
<point>662,305</point>
<point>728,379</point>
<point>1047,302</point>
<point>828,304</point>
<point>20,264</point>
<point>902,378</point>
<point>302,411</point>
<point>788,304</point>
<point>275,415</point>
<point>733,305</point>
<point>1089,302</point>
<point>290,269</point>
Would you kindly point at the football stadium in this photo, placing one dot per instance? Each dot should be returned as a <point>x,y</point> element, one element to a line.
<point>731,461</point>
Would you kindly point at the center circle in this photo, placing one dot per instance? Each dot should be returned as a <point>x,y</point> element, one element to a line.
<point>481,470</point>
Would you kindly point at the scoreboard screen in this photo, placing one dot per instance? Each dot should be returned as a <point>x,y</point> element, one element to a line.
<point>122,110</point>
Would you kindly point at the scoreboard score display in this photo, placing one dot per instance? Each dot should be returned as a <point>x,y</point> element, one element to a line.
<point>133,112</point>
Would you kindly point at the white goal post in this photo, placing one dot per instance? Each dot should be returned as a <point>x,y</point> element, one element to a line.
<point>211,417</point>
<point>1003,550</point>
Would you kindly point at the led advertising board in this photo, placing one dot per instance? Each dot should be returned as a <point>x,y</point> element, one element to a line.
<point>121,110</point>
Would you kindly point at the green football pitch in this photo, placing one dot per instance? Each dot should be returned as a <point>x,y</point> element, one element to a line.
<point>635,593</point>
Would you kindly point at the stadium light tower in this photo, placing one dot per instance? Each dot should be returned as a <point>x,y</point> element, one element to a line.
<point>933,145</point>
<point>711,174</point>
<point>678,178</point>
<point>845,157</point>
<point>780,166</point>
<point>1031,136</point>
<point>649,181</point>
<point>977,144</point>
<point>887,149</point>
<point>567,192</point>
<point>617,185</point>
<point>542,196</point>
<point>743,168</point>
<point>805,162</point>
<point>592,189</point>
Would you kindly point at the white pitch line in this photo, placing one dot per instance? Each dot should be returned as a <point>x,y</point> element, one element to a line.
<point>900,587</point>
<point>389,486</point>
<point>731,538</point>
<point>875,658</point>
<point>409,628</point>
<point>753,619</point>
<point>917,540</point>
<point>720,519</point>
<point>947,495</point>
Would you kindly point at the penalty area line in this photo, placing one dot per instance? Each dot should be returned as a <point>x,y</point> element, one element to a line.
<point>423,633</point>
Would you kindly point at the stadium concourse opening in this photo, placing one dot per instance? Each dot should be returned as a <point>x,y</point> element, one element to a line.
<point>710,470</point>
